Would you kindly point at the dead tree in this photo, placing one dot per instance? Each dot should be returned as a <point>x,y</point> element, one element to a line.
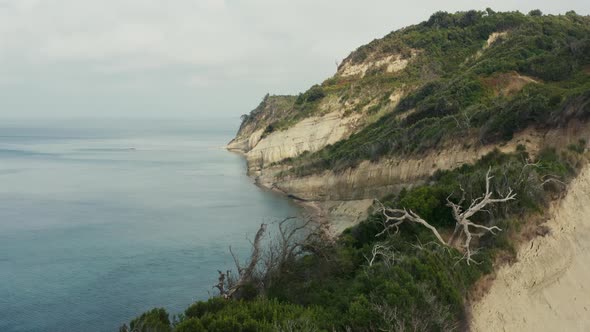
<point>399,216</point>
<point>464,226</point>
<point>463,120</point>
<point>287,244</point>
<point>246,275</point>
<point>387,254</point>
<point>270,258</point>
<point>222,283</point>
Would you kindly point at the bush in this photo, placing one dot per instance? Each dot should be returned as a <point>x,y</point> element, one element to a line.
<point>535,12</point>
<point>315,93</point>
<point>155,320</point>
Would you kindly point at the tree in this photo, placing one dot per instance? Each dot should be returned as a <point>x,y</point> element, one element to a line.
<point>469,18</point>
<point>286,246</point>
<point>440,19</point>
<point>266,263</point>
<point>536,12</point>
<point>463,225</point>
<point>246,275</point>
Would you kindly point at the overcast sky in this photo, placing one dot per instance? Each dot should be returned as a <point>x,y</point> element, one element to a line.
<point>190,58</point>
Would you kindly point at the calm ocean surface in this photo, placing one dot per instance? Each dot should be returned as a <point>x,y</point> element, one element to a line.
<point>101,220</point>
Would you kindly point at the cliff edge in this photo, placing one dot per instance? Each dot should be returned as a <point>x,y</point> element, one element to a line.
<point>546,289</point>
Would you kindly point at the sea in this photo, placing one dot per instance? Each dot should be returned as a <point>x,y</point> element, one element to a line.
<point>103,219</point>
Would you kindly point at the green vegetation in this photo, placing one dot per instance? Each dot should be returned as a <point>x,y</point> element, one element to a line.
<point>305,105</point>
<point>451,95</point>
<point>447,79</point>
<point>269,109</point>
<point>454,89</point>
<point>417,284</point>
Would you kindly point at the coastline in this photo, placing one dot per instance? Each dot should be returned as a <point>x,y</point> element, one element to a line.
<point>334,216</point>
<point>311,209</point>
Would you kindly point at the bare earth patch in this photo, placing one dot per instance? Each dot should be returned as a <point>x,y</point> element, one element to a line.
<point>546,289</point>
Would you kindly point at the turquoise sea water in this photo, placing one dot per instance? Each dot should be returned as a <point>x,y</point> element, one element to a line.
<point>101,220</point>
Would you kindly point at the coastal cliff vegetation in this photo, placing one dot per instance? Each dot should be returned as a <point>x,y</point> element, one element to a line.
<point>478,74</point>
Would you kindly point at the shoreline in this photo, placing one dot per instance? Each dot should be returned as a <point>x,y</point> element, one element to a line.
<point>311,209</point>
<point>334,216</point>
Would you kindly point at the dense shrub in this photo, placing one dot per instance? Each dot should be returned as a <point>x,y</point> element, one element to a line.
<point>315,93</point>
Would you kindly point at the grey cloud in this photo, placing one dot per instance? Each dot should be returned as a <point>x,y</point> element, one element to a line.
<point>189,57</point>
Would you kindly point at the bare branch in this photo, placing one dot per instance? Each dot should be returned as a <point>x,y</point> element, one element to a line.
<point>400,216</point>
<point>395,217</point>
<point>383,251</point>
<point>246,275</point>
<point>477,205</point>
<point>265,261</point>
<point>236,260</point>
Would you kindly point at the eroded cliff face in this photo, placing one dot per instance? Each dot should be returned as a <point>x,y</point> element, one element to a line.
<point>399,85</point>
<point>344,198</point>
<point>377,179</point>
<point>309,135</point>
<point>264,153</point>
<point>270,110</point>
<point>547,288</point>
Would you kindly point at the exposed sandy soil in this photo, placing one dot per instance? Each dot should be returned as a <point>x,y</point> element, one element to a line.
<point>494,37</point>
<point>390,64</point>
<point>547,288</point>
<point>339,215</point>
<point>376,179</point>
<point>508,83</point>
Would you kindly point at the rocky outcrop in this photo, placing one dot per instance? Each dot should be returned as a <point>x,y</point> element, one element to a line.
<point>270,110</point>
<point>547,288</point>
<point>309,135</point>
<point>245,143</point>
<point>377,179</point>
<point>345,196</point>
<point>339,215</point>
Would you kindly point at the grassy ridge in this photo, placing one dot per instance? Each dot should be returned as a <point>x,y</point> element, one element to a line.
<point>453,96</point>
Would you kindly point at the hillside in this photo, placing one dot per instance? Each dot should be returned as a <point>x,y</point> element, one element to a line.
<point>430,96</point>
<point>469,129</point>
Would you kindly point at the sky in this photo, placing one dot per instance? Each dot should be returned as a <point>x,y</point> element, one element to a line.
<point>191,58</point>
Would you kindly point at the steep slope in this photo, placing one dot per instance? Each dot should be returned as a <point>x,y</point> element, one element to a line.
<point>270,110</point>
<point>546,289</point>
